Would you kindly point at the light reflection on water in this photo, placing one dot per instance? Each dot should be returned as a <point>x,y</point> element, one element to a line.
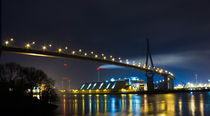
<point>194,104</point>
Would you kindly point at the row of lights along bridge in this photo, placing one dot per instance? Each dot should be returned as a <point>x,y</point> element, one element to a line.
<point>90,54</point>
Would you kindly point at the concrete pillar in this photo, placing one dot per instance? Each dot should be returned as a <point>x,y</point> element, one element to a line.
<point>150,84</point>
<point>165,84</point>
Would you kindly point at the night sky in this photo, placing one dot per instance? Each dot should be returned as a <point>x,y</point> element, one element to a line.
<point>179,33</point>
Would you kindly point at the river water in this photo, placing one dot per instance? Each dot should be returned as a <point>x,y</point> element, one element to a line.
<point>171,104</point>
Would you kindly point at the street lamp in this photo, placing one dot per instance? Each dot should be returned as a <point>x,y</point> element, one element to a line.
<point>44,48</point>
<point>11,39</point>
<point>59,50</point>
<point>28,45</point>
<point>6,42</point>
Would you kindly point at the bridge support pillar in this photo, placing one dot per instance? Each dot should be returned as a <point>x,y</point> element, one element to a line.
<point>171,84</point>
<point>168,83</point>
<point>150,84</point>
<point>165,83</point>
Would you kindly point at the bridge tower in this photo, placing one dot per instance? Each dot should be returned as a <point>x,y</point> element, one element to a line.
<point>149,75</point>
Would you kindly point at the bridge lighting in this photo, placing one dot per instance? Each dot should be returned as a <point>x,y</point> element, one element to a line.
<point>161,71</point>
<point>134,63</point>
<point>113,59</point>
<point>59,50</point>
<point>127,62</point>
<point>144,66</point>
<point>104,57</point>
<point>11,39</point>
<point>139,64</point>
<point>44,47</point>
<point>92,52</point>
<point>6,42</point>
<point>96,56</point>
<point>80,50</point>
<point>120,61</point>
<point>28,45</point>
<point>66,47</point>
<point>73,52</point>
<point>85,54</point>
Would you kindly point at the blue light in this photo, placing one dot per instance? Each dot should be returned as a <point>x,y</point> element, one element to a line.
<point>134,78</point>
<point>112,79</point>
<point>108,86</point>
<point>94,86</point>
<point>82,86</point>
<point>89,86</point>
<point>113,85</point>
<point>100,85</point>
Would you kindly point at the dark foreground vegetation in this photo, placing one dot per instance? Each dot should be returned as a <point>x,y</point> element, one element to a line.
<point>25,90</point>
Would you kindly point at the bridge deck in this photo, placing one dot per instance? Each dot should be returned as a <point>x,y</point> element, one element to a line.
<point>76,57</point>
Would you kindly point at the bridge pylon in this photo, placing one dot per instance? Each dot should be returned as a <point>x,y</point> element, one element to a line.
<point>149,75</point>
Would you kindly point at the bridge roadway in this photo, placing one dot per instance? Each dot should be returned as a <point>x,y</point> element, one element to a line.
<point>53,54</point>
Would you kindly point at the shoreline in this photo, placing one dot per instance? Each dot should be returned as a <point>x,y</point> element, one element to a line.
<point>140,92</point>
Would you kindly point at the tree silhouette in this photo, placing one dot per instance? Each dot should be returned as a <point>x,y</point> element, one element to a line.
<point>20,79</point>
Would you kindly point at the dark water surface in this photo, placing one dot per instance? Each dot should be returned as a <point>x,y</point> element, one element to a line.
<point>179,104</point>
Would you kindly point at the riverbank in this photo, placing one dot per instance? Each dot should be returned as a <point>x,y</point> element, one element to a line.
<point>141,92</point>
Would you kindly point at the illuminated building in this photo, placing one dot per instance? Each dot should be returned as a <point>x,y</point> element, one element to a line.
<point>114,85</point>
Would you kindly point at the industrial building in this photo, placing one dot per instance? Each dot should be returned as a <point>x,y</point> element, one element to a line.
<point>113,85</point>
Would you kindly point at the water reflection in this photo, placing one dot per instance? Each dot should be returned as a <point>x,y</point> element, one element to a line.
<point>192,105</point>
<point>132,104</point>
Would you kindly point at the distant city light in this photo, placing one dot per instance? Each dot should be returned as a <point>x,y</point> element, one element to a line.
<point>65,64</point>
<point>11,39</point>
<point>112,79</point>
<point>73,52</point>
<point>33,42</point>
